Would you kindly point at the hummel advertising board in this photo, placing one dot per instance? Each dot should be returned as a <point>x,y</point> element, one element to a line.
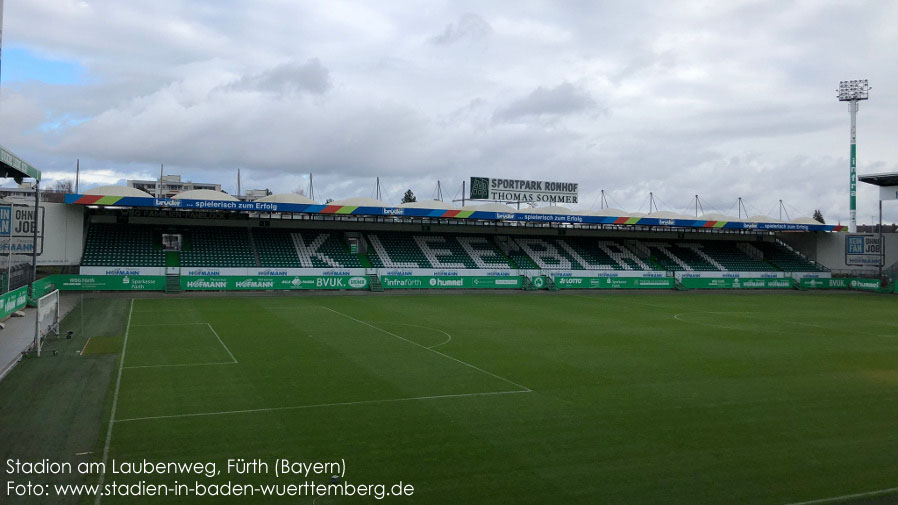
<point>516,190</point>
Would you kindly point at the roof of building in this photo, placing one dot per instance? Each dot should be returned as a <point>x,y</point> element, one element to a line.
<point>288,198</point>
<point>204,194</point>
<point>114,190</point>
<point>887,179</point>
<point>360,201</point>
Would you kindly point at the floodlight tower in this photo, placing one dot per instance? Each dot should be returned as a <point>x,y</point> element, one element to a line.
<point>853,92</point>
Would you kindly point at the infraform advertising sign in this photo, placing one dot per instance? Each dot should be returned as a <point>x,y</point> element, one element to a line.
<point>862,250</point>
<point>516,190</point>
<point>442,282</point>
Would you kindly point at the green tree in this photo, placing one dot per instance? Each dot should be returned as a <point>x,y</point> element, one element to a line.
<point>409,197</point>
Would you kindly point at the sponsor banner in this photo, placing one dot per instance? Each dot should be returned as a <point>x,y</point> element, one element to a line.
<point>220,283</point>
<point>811,275</point>
<point>888,192</point>
<point>863,250</point>
<point>614,283</point>
<point>64,282</point>
<point>841,283</point>
<point>445,272</point>
<point>212,271</point>
<point>13,301</point>
<point>288,272</point>
<point>443,282</point>
<point>516,190</point>
<point>735,283</point>
<point>729,275</point>
<point>122,271</point>
<point>646,274</point>
<point>268,207</point>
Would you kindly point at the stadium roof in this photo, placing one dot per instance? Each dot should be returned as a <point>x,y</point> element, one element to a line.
<point>114,190</point>
<point>889,179</point>
<point>204,194</point>
<point>287,198</point>
<point>13,166</point>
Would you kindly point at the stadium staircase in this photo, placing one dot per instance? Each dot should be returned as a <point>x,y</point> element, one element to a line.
<point>172,283</point>
<point>374,284</point>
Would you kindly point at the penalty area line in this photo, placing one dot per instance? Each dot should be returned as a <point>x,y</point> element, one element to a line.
<point>318,406</point>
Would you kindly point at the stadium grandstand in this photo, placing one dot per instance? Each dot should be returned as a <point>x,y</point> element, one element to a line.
<point>204,239</point>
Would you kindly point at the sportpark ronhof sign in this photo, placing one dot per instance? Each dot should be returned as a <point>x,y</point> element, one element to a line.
<point>516,190</point>
<point>412,212</point>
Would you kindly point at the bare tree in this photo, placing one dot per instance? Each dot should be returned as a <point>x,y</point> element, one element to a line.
<point>64,186</point>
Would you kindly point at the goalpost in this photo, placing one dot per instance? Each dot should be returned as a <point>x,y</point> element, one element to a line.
<point>47,319</point>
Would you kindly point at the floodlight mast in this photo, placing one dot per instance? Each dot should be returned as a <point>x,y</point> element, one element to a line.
<point>852,92</point>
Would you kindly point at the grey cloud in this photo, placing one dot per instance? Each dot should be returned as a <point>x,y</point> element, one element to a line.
<point>469,26</point>
<point>290,77</point>
<point>561,100</point>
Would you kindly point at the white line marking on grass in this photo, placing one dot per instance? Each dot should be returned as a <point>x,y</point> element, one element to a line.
<point>448,336</point>
<point>491,374</point>
<point>182,365</point>
<point>318,406</point>
<point>222,343</point>
<point>118,386</point>
<point>83,453</point>
<point>165,324</point>
<point>848,496</point>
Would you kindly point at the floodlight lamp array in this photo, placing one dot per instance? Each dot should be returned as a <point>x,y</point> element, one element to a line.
<point>853,90</point>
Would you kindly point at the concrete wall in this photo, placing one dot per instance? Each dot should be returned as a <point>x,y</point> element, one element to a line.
<point>829,250</point>
<point>60,233</point>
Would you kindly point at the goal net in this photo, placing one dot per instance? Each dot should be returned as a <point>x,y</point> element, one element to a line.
<point>47,319</point>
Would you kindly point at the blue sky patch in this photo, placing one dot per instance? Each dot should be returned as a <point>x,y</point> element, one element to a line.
<point>22,65</point>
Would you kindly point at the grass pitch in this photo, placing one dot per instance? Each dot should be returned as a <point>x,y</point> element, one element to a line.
<point>669,399</point>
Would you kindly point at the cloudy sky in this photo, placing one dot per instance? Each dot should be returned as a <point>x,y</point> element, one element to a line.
<point>719,99</point>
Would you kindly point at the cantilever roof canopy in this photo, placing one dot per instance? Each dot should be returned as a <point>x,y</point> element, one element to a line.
<point>13,166</point>
<point>889,179</point>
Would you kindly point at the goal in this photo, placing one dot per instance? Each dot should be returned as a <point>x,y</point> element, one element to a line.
<point>47,320</point>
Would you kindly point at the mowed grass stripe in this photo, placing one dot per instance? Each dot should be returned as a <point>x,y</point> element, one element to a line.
<point>629,404</point>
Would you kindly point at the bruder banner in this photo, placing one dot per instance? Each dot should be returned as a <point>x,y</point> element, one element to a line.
<point>613,283</point>
<point>737,283</point>
<point>419,282</point>
<point>516,190</point>
<point>261,283</point>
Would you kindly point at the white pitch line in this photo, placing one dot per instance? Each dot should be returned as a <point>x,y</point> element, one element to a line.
<point>118,386</point>
<point>848,497</point>
<point>165,324</point>
<point>181,365</point>
<point>449,337</point>
<point>317,406</point>
<point>491,374</point>
<point>222,343</point>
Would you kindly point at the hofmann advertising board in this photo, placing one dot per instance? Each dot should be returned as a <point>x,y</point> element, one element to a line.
<point>516,190</point>
<point>613,283</point>
<point>737,283</point>
<point>862,250</point>
<point>217,283</point>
